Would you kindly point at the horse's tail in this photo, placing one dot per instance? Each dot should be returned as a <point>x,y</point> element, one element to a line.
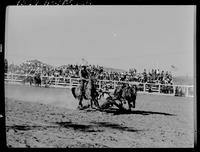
<point>73,92</point>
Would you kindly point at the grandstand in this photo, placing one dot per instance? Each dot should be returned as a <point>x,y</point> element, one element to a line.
<point>103,73</point>
<point>67,75</point>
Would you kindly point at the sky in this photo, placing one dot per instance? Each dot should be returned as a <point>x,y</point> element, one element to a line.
<point>141,37</point>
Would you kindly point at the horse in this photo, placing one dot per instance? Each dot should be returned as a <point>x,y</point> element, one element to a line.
<point>37,80</point>
<point>109,100</point>
<point>129,93</point>
<point>28,79</point>
<point>90,94</point>
<point>121,93</point>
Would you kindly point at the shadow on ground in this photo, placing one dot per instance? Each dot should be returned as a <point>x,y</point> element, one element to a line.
<point>79,127</point>
<point>28,127</point>
<point>115,126</point>
<point>141,112</point>
<point>95,126</point>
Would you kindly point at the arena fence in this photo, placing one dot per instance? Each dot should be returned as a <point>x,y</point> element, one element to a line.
<point>68,82</point>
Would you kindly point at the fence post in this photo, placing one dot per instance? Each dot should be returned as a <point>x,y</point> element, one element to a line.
<point>70,82</point>
<point>64,80</point>
<point>99,84</point>
<point>26,76</point>
<point>186,94</point>
<point>114,85</point>
<point>12,79</point>
<point>174,90</point>
<point>58,81</point>
<point>159,88</point>
<point>55,81</point>
<point>49,79</point>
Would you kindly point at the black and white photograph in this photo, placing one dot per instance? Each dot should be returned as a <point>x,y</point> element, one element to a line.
<point>100,76</point>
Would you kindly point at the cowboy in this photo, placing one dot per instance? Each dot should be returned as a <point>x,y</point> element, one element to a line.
<point>84,74</point>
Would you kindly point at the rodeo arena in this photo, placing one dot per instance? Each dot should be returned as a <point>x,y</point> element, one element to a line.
<point>49,106</point>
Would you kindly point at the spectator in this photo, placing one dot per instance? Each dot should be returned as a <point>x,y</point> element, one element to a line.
<point>70,70</point>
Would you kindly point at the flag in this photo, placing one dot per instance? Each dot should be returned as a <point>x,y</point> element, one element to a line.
<point>84,62</point>
<point>174,68</point>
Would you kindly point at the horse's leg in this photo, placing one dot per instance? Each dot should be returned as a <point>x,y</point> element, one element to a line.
<point>129,105</point>
<point>91,103</point>
<point>96,103</point>
<point>134,102</point>
<point>80,105</point>
<point>120,105</point>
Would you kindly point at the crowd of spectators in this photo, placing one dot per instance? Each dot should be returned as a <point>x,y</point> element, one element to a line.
<point>71,70</point>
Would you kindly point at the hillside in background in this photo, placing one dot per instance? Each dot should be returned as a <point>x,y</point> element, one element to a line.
<point>183,80</point>
<point>38,62</point>
<point>109,69</point>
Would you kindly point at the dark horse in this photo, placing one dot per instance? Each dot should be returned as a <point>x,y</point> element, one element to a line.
<point>37,80</point>
<point>121,93</point>
<point>33,80</point>
<point>90,93</point>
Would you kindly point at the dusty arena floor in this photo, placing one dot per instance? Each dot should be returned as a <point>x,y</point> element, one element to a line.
<point>47,117</point>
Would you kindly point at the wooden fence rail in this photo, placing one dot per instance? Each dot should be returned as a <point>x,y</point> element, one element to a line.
<point>63,82</point>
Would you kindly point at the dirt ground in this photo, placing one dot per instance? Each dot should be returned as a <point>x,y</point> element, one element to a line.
<point>157,121</point>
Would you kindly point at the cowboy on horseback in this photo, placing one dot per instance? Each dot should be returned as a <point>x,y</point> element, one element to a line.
<point>83,74</point>
<point>86,90</point>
